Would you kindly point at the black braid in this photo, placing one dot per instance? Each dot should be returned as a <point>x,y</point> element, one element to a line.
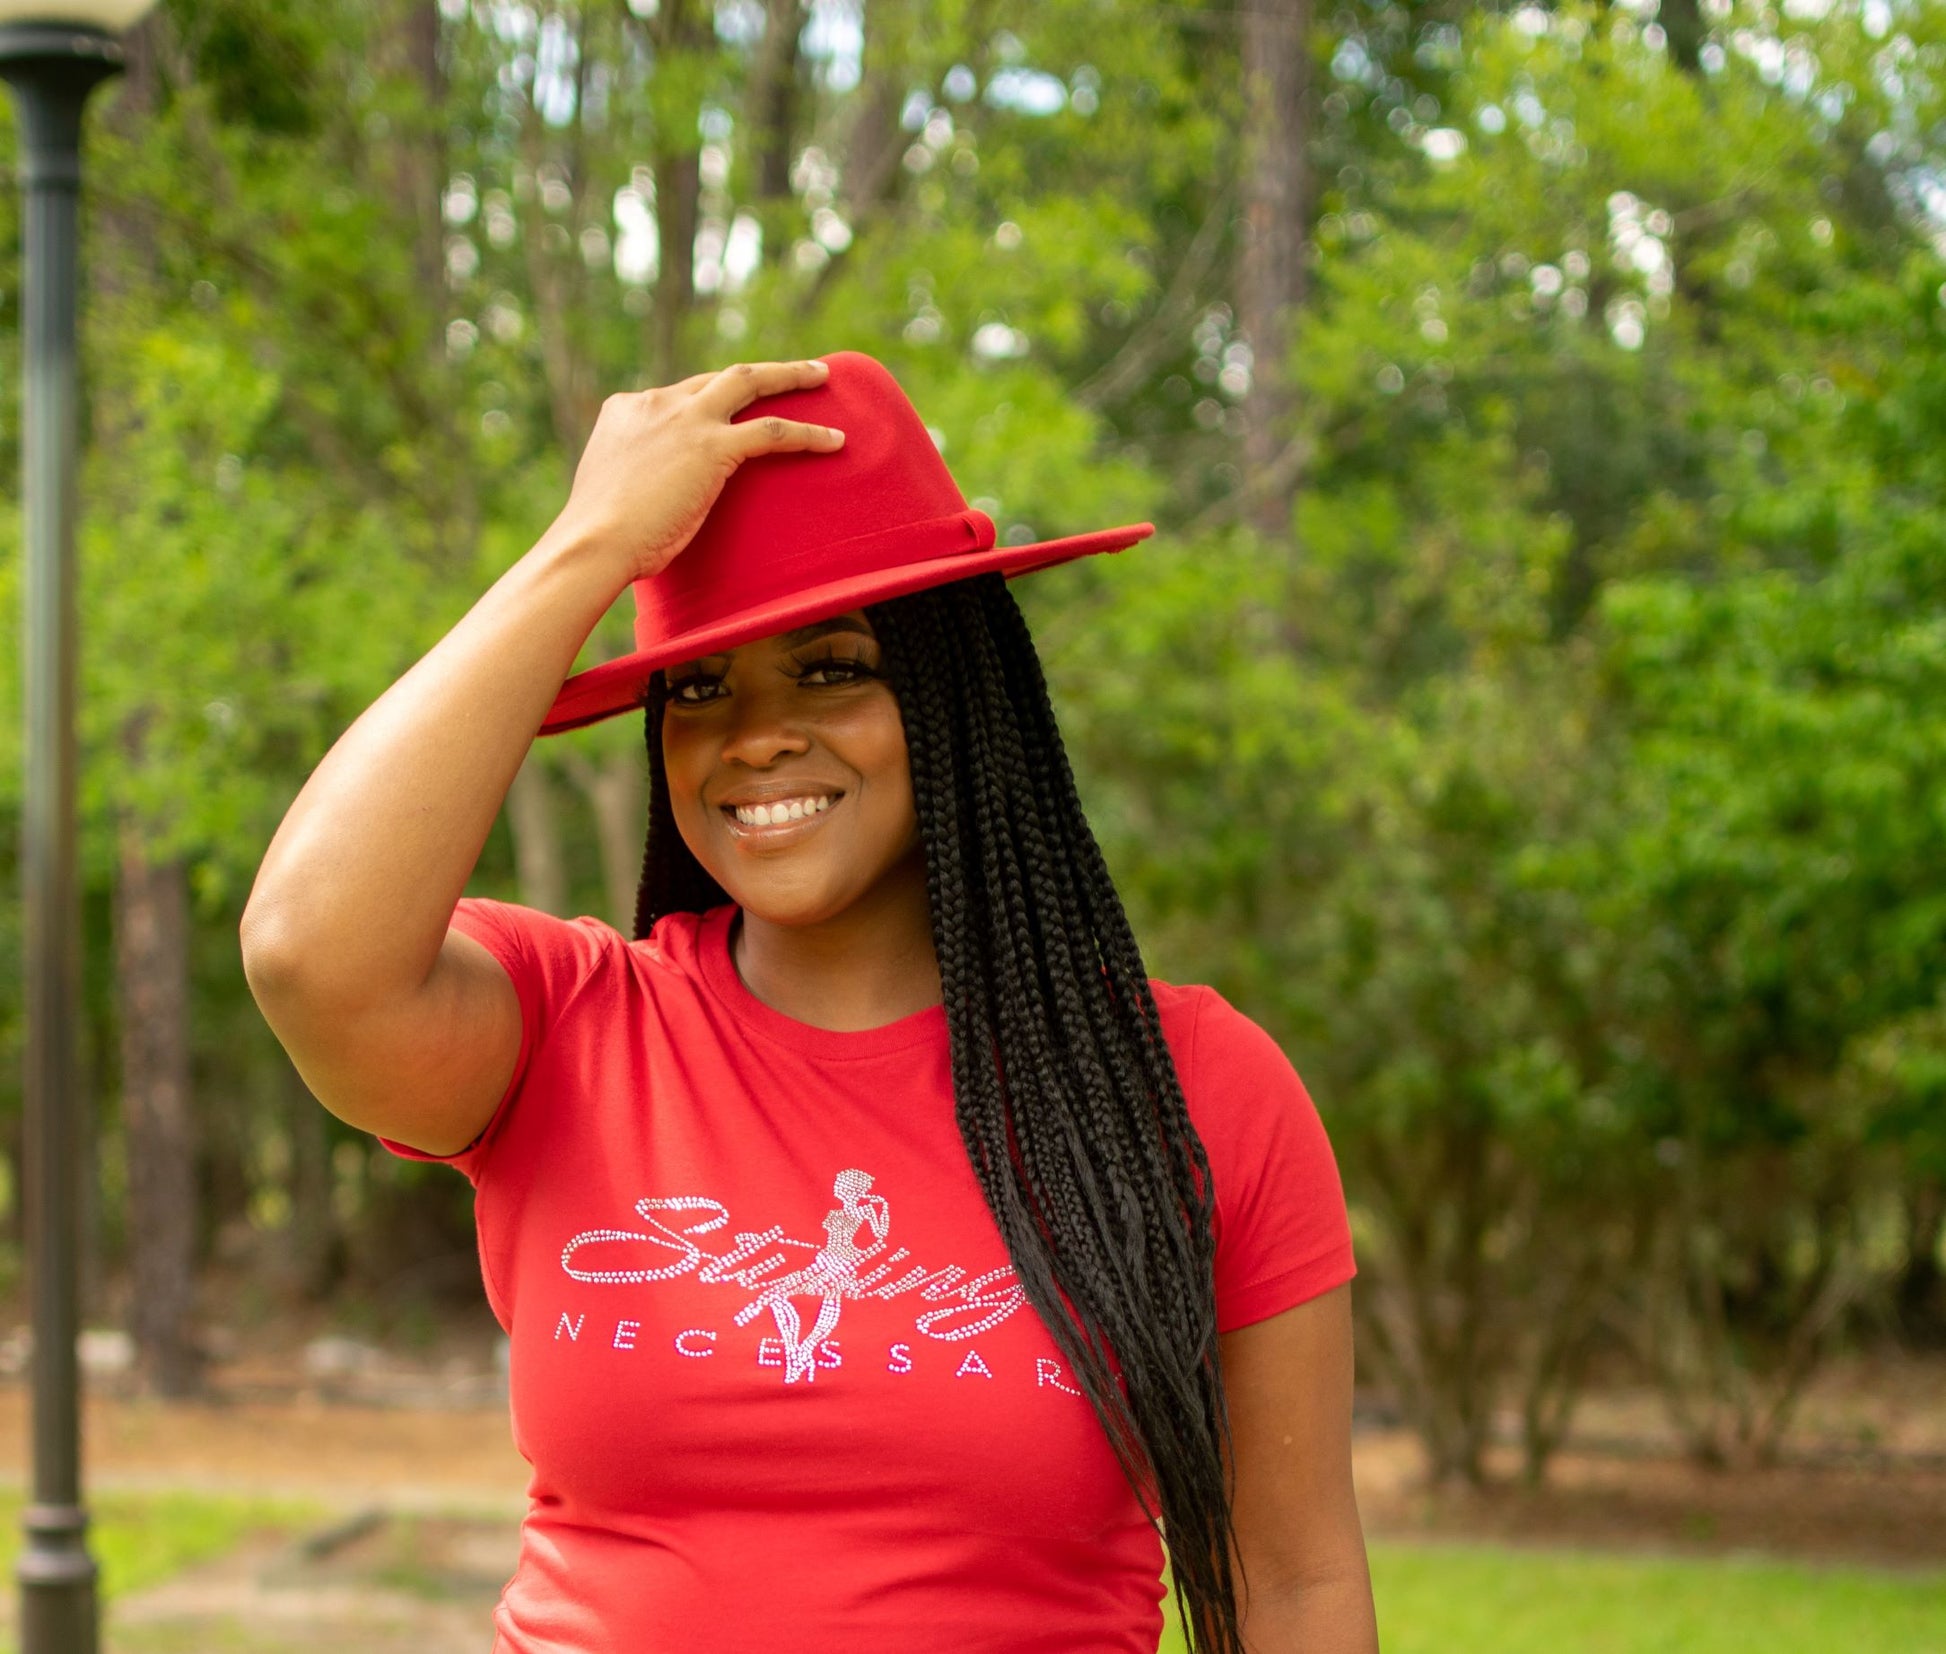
<point>673,880</point>
<point>1066,1096</point>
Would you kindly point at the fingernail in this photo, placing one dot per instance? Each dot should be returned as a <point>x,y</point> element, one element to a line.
<point>824,366</point>
<point>835,434</point>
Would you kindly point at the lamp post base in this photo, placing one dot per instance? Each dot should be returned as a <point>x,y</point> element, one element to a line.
<point>57,1580</point>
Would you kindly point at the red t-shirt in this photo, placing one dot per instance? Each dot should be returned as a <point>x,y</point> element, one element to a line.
<point>770,1363</point>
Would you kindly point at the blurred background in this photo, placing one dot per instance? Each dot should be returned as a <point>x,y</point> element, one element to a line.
<point>1532,707</point>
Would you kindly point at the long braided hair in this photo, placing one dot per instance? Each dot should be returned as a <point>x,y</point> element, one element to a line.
<point>1065,1093</point>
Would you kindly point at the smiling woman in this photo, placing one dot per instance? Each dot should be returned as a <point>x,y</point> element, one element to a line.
<point>870,1212</point>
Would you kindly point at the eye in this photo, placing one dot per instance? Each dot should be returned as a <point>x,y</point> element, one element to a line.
<point>679,689</point>
<point>837,669</point>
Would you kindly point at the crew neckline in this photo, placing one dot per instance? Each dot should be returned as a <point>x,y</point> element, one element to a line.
<point>719,974</point>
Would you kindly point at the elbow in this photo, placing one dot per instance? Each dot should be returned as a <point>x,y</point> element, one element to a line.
<point>1326,1604</point>
<point>264,947</point>
<point>273,954</point>
<point>309,982</point>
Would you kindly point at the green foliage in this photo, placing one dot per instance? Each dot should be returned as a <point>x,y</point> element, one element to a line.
<point>1561,789</point>
<point>1569,805</point>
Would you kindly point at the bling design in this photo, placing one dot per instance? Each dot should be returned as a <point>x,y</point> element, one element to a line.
<point>852,1262</point>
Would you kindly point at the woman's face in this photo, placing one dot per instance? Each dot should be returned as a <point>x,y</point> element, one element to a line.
<point>802,727</point>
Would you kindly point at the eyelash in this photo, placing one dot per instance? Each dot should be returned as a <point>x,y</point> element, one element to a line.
<point>853,671</point>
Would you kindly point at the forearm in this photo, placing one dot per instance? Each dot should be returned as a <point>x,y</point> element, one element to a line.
<point>361,878</point>
<point>1325,1616</point>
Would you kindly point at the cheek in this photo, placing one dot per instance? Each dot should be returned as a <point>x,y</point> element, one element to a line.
<point>678,764</point>
<point>875,746</point>
<point>685,766</point>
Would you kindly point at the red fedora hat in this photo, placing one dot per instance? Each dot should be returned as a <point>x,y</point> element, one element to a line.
<point>795,537</point>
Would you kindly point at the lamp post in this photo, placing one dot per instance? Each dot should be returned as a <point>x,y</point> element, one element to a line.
<point>53,54</point>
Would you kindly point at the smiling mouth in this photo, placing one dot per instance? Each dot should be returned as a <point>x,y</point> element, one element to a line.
<point>778,816</point>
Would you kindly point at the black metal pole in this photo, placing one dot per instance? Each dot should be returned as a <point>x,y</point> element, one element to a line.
<point>52,68</point>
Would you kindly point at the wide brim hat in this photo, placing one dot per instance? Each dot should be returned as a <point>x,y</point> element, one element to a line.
<point>797,537</point>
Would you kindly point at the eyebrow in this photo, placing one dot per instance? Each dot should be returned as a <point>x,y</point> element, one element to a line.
<point>823,628</point>
<point>803,635</point>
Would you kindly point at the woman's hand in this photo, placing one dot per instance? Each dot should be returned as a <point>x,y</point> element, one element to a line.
<point>658,458</point>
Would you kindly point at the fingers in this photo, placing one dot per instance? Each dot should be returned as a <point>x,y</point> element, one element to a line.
<point>771,435</point>
<point>727,391</point>
<point>741,383</point>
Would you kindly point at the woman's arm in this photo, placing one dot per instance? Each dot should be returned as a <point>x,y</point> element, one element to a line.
<point>399,1025</point>
<point>1305,1587</point>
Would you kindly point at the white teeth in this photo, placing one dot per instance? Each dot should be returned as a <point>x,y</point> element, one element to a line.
<point>771,815</point>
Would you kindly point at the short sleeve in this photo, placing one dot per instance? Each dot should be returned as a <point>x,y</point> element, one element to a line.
<point>1283,1235</point>
<point>547,959</point>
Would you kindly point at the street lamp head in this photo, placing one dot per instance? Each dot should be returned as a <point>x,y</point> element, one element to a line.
<point>52,52</point>
<point>52,64</point>
<point>110,16</point>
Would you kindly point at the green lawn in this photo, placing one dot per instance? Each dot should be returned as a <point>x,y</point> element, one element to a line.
<point>1463,1599</point>
<point>141,1538</point>
<point>1432,1598</point>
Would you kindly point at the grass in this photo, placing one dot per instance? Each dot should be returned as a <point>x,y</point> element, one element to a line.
<point>414,1561</point>
<point>1433,1598</point>
<point>140,1539</point>
<point>1467,1599</point>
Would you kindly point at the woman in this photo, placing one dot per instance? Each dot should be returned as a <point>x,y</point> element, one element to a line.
<point>1084,1257</point>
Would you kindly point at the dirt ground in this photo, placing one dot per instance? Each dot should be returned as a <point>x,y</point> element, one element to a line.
<point>416,1467</point>
<point>461,1460</point>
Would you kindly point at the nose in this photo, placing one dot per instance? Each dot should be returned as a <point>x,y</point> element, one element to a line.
<point>762,731</point>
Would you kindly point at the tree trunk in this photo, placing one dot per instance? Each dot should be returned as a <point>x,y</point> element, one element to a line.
<point>678,189</point>
<point>412,163</point>
<point>540,866</point>
<point>1277,214</point>
<point>1683,26</point>
<point>158,1127</point>
<point>617,793</point>
<point>1919,1295</point>
<point>1435,1296</point>
<point>772,99</point>
<point>409,167</point>
<point>1564,1311</point>
<point>679,28</point>
<point>313,1257</point>
<point>13,1145</point>
<point>874,140</point>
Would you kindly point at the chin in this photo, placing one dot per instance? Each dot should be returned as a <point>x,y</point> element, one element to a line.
<point>791,900</point>
<point>814,883</point>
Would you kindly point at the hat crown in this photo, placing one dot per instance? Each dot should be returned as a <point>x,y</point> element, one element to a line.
<point>796,537</point>
<point>789,520</point>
